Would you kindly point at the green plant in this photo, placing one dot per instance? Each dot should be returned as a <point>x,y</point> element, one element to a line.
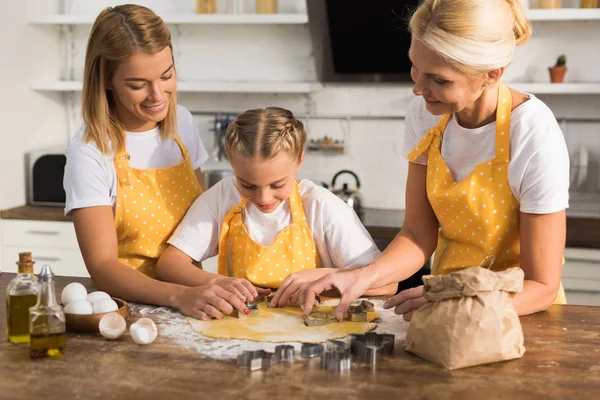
<point>561,61</point>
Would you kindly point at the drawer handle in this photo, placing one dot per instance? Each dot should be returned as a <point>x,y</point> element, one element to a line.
<point>580,290</point>
<point>48,259</point>
<point>583,260</point>
<point>48,233</point>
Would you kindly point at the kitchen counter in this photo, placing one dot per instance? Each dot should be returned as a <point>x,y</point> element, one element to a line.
<point>381,224</point>
<point>562,361</point>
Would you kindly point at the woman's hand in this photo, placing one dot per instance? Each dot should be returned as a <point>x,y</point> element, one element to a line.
<point>351,283</point>
<point>288,293</point>
<point>241,288</point>
<point>407,302</point>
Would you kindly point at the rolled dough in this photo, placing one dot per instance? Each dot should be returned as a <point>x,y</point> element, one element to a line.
<point>280,325</point>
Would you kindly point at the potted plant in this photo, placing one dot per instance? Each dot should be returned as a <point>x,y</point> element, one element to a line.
<point>557,72</point>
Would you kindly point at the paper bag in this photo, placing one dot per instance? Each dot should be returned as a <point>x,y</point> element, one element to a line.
<point>469,319</point>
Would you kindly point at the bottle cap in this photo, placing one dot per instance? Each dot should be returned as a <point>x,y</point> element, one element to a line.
<point>46,275</point>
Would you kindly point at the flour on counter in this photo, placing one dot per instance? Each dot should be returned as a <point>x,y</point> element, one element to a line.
<point>173,325</point>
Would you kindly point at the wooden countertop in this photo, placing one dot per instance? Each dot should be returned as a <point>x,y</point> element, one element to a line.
<point>562,361</point>
<point>385,224</point>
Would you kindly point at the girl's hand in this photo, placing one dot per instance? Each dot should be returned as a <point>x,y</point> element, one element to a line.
<point>242,288</point>
<point>407,302</point>
<point>208,301</point>
<point>288,293</point>
<point>351,284</point>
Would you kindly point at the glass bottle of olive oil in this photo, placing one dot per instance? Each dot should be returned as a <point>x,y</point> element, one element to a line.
<point>21,294</point>
<point>46,320</point>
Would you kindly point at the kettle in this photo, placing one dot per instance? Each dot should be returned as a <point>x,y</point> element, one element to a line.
<point>351,197</point>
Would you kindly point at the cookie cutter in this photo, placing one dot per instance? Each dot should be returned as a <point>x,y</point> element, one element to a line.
<point>252,307</point>
<point>320,318</point>
<point>371,346</point>
<point>285,353</point>
<point>357,311</point>
<point>336,360</point>
<point>256,360</point>
<point>337,357</point>
<point>270,299</point>
<point>310,350</point>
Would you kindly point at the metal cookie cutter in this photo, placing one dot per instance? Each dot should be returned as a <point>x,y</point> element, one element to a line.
<point>253,307</point>
<point>319,318</point>
<point>371,346</point>
<point>256,359</point>
<point>336,361</point>
<point>357,312</point>
<point>310,350</point>
<point>285,354</point>
<point>337,358</point>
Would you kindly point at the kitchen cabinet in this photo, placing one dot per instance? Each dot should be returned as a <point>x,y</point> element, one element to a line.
<point>50,242</point>
<point>581,276</point>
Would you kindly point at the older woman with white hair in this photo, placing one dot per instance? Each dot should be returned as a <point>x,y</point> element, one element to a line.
<point>488,175</point>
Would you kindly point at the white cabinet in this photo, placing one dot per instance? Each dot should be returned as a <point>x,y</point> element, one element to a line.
<point>49,242</point>
<point>581,276</point>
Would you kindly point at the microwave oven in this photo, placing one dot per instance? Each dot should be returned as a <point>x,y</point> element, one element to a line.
<point>45,173</point>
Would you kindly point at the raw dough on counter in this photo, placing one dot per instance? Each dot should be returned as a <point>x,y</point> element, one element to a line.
<point>280,325</point>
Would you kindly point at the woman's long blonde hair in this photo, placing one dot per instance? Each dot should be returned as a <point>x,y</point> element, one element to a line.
<point>265,133</point>
<point>118,33</point>
<point>473,36</point>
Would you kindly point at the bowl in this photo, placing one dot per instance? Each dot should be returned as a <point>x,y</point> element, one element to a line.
<point>89,323</point>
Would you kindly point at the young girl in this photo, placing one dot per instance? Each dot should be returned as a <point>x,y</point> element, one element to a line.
<point>266,226</point>
<point>489,167</point>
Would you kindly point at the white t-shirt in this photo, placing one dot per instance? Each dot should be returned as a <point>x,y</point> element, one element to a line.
<point>90,177</point>
<point>341,239</point>
<point>538,172</point>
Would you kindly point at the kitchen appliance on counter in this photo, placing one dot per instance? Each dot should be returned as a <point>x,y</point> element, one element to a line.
<point>352,197</point>
<point>44,174</point>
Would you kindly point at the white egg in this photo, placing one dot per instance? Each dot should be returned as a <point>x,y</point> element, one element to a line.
<point>78,306</point>
<point>143,331</point>
<point>104,306</point>
<point>112,325</point>
<point>95,296</point>
<point>73,291</point>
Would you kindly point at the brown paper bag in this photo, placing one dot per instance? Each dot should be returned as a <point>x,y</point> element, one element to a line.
<point>469,319</point>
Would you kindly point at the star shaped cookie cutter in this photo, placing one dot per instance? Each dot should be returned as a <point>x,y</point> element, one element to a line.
<point>371,346</point>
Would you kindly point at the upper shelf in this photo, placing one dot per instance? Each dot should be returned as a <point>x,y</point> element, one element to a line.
<point>201,87</point>
<point>563,14</point>
<point>557,88</point>
<point>558,14</point>
<point>251,19</point>
<point>309,87</point>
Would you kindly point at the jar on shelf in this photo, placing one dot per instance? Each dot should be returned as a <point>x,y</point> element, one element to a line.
<point>549,4</point>
<point>266,6</point>
<point>589,3</point>
<point>206,6</point>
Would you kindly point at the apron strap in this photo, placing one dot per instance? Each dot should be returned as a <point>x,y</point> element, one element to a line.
<point>503,111</point>
<point>223,259</point>
<point>296,207</point>
<point>433,135</point>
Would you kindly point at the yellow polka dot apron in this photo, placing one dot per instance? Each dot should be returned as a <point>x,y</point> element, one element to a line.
<point>478,216</point>
<point>150,203</point>
<point>293,249</point>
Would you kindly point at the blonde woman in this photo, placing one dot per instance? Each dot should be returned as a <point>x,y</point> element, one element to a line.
<point>133,169</point>
<point>489,168</point>
<point>266,226</point>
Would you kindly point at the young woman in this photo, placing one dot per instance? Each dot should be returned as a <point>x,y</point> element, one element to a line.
<point>133,169</point>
